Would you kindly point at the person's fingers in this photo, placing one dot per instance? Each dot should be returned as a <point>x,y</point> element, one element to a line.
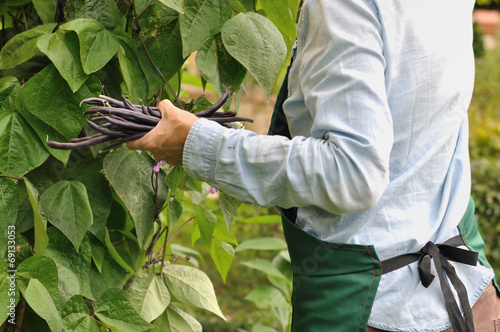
<point>136,144</point>
<point>165,106</point>
<point>139,144</point>
<point>166,140</point>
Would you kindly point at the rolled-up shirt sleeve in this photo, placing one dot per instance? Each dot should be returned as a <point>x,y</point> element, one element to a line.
<point>338,115</point>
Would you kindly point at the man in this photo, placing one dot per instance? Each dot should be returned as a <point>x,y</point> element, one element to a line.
<point>377,163</point>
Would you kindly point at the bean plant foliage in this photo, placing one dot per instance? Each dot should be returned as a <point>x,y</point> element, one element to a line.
<point>90,236</point>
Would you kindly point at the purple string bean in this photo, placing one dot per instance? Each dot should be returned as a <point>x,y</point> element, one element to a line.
<point>124,121</point>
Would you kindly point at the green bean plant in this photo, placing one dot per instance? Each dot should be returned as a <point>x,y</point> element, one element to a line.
<point>484,113</point>
<point>89,237</point>
<point>276,295</point>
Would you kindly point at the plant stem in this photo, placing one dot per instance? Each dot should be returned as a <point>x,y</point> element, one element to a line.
<point>164,251</point>
<point>179,84</point>
<point>178,229</point>
<point>157,235</point>
<point>129,284</point>
<point>15,20</point>
<point>11,177</point>
<point>143,10</point>
<point>230,5</point>
<point>26,25</point>
<point>156,67</point>
<point>98,322</point>
<point>3,32</point>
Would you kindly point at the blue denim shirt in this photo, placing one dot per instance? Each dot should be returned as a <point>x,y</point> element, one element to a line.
<point>377,108</point>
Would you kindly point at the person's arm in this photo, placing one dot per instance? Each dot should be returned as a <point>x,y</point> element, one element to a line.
<point>343,167</point>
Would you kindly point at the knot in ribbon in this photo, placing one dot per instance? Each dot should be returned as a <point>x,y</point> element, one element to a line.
<point>441,254</point>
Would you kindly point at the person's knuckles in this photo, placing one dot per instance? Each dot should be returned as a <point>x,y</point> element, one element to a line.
<point>165,107</point>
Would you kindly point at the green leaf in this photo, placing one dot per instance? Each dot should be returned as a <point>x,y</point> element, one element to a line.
<point>176,320</point>
<point>133,75</point>
<point>105,12</point>
<point>97,45</point>
<point>22,250</point>
<point>228,206</point>
<point>149,296</point>
<point>263,243</point>
<point>206,221</point>
<point>129,172</point>
<point>114,309</point>
<point>20,147</point>
<point>9,88</point>
<point>52,109</point>
<point>293,5</point>
<point>221,233</point>
<point>262,328</point>
<point>266,219</point>
<point>39,220</point>
<point>67,207</point>
<point>111,275</point>
<point>38,298</point>
<point>195,234</point>
<point>191,184</point>
<point>165,215</point>
<point>24,220</point>
<point>76,316</point>
<point>269,296</point>
<point>174,178</point>
<point>174,211</point>
<point>222,254</point>
<point>16,3</point>
<point>249,5</point>
<point>44,131</point>
<point>186,252</point>
<point>116,256</point>
<point>174,4</point>
<point>44,270</point>
<point>197,81</point>
<point>155,16</point>
<point>46,9</point>
<point>282,263</point>
<point>165,51</point>
<point>201,20</point>
<point>237,6</point>
<point>63,50</point>
<point>9,294</point>
<point>218,67</point>
<point>9,202</point>
<point>22,46</point>
<point>47,96</point>
<point>72,267</point>
<point>280,14</point>
<point>258,45</point>
<point>191,286</point>
<point>265,266</point>
<point>98,191</point>
<point>98,251</point>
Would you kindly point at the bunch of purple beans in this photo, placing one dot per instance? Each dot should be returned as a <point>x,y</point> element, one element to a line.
<point>122,121</point>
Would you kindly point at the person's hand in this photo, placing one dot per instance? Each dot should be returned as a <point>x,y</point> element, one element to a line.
<point>166,140</point>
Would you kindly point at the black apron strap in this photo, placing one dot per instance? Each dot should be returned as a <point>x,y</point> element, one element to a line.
<point>441,254</point>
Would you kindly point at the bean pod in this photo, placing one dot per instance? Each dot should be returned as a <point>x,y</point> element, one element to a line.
<point>123,121</point>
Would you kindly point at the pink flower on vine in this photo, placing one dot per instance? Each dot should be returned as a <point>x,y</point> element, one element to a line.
<point>158,164</point>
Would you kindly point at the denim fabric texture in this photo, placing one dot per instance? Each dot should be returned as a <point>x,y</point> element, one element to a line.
<point>377,110</point>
